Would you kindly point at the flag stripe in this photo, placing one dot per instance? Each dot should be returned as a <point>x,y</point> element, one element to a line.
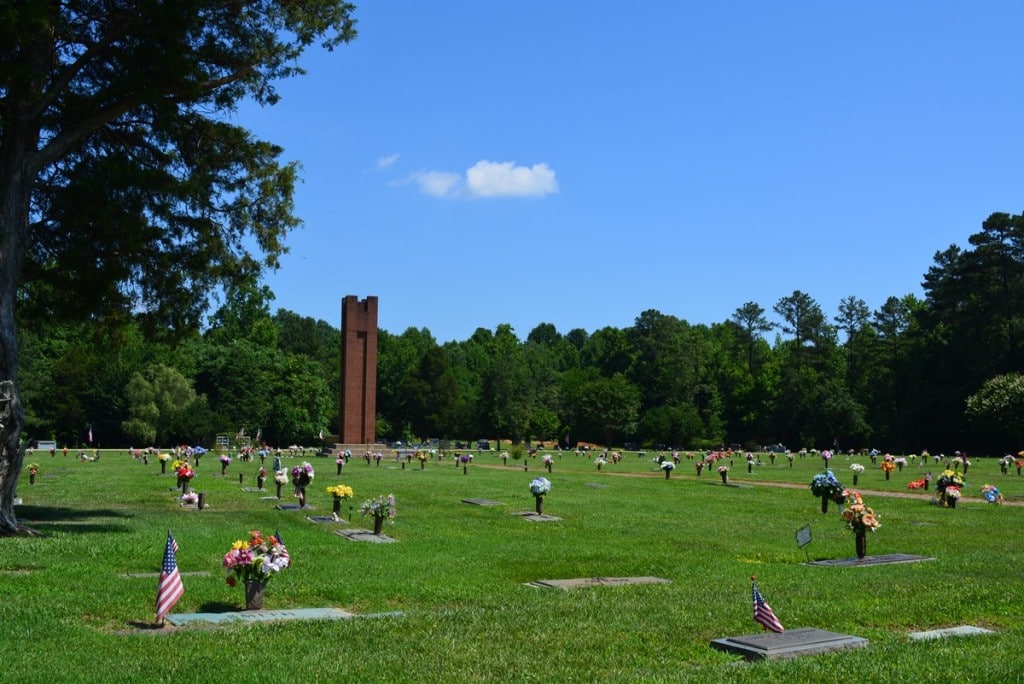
<point>763,613</point>
<point>170,588</point>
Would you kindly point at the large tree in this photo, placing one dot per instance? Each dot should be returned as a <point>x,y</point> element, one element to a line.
<point>116,172</point>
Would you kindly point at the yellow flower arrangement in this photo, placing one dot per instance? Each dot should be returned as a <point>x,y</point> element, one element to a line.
<point>340,491</point>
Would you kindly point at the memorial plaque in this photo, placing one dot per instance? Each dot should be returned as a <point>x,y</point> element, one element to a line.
<point>788,644</point>
<point>533,516</point>
<point>181,619</point>
<point>325,519</point>
<point>482,502</point>
<point>365,535</point>
<point>293,507</point>
<point>803,536</point>
<point>584,582</point>
<point>870,560</point>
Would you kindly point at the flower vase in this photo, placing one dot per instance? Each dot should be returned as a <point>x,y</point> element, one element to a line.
<point>378,523</point>
<point>223,468</point>
<point>900,466</point>
<point>465,470</point>
<point>540,505</point>
<point>31,478</point>
<point>163,467</point>
<point>862,543</point>
<point>598,466</point>
<point>951,501</point>
<point>278,490</point>
<point>700,467</point>
<point>855,479</point>
<point>336,509</point>
<point>549,467</point>
<point>259,482</point>
<point>667,473</point>
<point>725,478</point>
<point>887,475</point>
<point>301,493</point>
<point>339,469</point>
<point>254,590</point>
<point>423,465</point>
<point>1018,470</point>
<point>824,504</point>
<point>750,467</point>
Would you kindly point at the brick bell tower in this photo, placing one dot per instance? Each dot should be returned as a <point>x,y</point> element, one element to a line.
<point>358,406</point>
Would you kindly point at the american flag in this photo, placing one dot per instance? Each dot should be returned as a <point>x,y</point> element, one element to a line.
<point>170,588</point>
<point>763,613</point>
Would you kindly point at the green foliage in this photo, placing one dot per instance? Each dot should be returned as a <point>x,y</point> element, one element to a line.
<point>1000,404</point>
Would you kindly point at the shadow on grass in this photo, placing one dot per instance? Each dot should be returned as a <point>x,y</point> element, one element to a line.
<point>218,607</point>
<point>49,519</point>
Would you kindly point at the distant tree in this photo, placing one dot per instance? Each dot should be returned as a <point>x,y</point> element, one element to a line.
<point>155,400</point>
<point>999,405</point>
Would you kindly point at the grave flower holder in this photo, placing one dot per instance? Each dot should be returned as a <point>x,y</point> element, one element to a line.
<point>336,507</point>
<point>700,467</point>
<point>254,592</point>
<point>278,490</point>
<point>378,523</point>
<point>861,539</point>
<point>163,467</point>
<point>539,504</point>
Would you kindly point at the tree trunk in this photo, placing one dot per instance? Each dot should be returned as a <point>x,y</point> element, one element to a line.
<point>15,186</point>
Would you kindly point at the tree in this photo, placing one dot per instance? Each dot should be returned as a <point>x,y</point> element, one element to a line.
<point>155,400</point>
<point>116,171</point>
<point>999,405</point>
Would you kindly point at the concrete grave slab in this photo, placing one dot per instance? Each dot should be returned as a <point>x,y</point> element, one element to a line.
<point>962,630</point>
<point>293,507</point>
<point>884,559</point>
<point>585,582</point>
<point>185,619</point>
<point>483,502</point>
<point>788,644</point>
<point>365,536</point>
<point>254,489</point>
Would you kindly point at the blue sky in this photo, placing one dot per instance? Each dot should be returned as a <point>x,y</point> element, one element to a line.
<point>478,163</point>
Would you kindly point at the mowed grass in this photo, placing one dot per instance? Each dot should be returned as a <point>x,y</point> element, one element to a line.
<point>458,575</point>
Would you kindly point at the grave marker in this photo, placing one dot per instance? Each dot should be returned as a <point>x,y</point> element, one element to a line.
<point>788,644</point>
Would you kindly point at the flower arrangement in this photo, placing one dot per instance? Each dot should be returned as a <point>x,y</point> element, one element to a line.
<point>888,466</point>
<point>185,471</point>
<point>164,457</point>
<point>281,476</point>
<point>33,468</point>
<point>957,462</point>
<point>723,469</point>
<point>540,486</point>
<point>949,478</point>
<point>599,462</point>
<point>859,517</point>
<point>668,465</point>
<point>190,498</point>
<point>177,463</point>
<point>826,485</point>
<point>899,461</point>
<point>340,491</point>
<point>380,507</point>
<point>302,474</point>
<point>917,484</point>
<point>422,455</point>
<point>857,468</point>
<point>547,460</point>
<point>225,459</point>
<point>257,559</point>
<point>466,458</point>
<point>991,494</point>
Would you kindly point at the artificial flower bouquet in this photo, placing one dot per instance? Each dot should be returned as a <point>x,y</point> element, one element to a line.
<point>380,507</point>
<point>859,517</point>
<point>826,485</point>
<point>302,474</point>
<point>257,559</point>
<point>991,494</point>
<point>340,491</point>
<point>540,486</point>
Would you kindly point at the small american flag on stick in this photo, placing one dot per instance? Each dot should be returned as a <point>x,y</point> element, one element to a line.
<point>170,588</point>
<point>763,613</point>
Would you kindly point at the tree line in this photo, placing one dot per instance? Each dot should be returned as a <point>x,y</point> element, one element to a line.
<point>898,377</point>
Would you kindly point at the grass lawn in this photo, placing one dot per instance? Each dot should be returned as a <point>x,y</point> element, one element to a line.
<point>458,575</point>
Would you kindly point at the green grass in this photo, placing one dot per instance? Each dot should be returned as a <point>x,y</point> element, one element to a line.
<point>458,574</point>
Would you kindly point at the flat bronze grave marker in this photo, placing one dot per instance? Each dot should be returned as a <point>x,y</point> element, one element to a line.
<point>788,644</point>
<point>584,582</point>
<point>293,507</point>
<point>254,489</point>
<point>483,502</point>
<point>869,560</point>
<point>364,535</point>
<point>326,519</point>
<point>533,516</point>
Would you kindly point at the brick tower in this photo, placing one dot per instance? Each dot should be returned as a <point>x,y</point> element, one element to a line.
<point>358,370</point>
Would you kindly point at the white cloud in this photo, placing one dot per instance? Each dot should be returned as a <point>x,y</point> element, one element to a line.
<point>489,179</point>
<point>505,179</point>
<point>387,162</point>
<point>437,183</point>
